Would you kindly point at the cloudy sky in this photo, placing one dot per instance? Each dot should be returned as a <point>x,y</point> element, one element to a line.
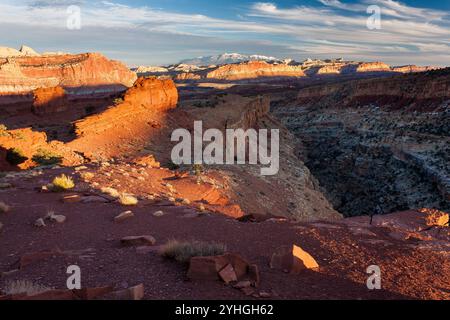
<point>157,32</point>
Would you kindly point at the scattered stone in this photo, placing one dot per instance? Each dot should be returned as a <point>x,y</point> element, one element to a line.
<point>264,294</point>
<point>124,216</point>
<point>80,168</point>
<point>39,223</point>
<point>5,185</point>
<point>159,213</point>
<point>59,218</point>
<point>4,208</point>
<point>186,201</point>
<point>71,198</point>
<point>227,274</point>
<point>292,259</point>
<point>138,241</point>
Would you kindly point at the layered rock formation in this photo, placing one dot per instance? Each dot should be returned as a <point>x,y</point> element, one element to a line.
<point>82,73</point>
<point>254,69</point>
<point>373,67</point>
<point>49,100</point>
<point>141,111</point>
<point>428,88</point>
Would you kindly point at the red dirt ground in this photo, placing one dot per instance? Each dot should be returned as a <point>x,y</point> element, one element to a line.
<point>343,250</point>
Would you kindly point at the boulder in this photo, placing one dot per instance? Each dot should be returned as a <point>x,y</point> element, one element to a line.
<point>227,274</point>
<point>229,267</point>
<point>292,259</point>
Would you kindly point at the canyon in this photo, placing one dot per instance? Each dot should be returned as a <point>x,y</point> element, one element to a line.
<point>363,179</point>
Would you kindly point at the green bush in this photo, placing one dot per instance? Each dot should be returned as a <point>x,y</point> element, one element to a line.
<point>46,158</point>
<point>15,156</point>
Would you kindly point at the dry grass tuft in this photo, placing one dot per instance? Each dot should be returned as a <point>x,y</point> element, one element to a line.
<point>23,286</point>
<point>110,191</point>
<point>62,183</point>
<point>183,251</point>
<point>128,200</point>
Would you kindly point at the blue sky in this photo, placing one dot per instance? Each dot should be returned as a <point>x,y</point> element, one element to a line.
<point>158,32</point>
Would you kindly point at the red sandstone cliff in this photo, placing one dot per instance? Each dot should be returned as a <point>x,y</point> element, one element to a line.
<point>133,120</point>
<point>81,73</point>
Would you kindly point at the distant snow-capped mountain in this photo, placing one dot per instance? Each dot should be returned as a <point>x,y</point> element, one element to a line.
<point>226,58</point>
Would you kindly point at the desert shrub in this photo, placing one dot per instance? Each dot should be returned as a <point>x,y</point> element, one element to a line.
<point>118,100</point>
<point>183,251</point>
<point>46,158</point>
<point>128,200</point>
<point>62,183</point>
<point>3,131</point>
<point>15,156</point>
<point>110,191</point>
<point>23,286</point>
<point>4,208</point>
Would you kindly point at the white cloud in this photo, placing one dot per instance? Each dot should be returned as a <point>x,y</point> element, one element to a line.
<point>333,27</point>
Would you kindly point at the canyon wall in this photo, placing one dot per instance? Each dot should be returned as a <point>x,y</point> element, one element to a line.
<point>80,74</point>
<point>421,88</point>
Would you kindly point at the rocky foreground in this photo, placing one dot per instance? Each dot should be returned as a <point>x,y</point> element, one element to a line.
<point>117,247</point>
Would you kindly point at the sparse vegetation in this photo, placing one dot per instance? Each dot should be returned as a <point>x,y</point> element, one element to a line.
<point>46,158</point>
<point>110,191</point>
<point>3,131</point>
<point>62,183</point>
<point>4,208</point>
<point>128,200</point>
<point>23,286</point>
<point>198,170</point>
<point>118,100</point>
<point>183,251</point>
<point>15,156</point>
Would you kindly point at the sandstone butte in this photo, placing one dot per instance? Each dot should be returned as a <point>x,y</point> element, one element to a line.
<point>254,69</point>
<point>79,73</point>
<point>136,117</point>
